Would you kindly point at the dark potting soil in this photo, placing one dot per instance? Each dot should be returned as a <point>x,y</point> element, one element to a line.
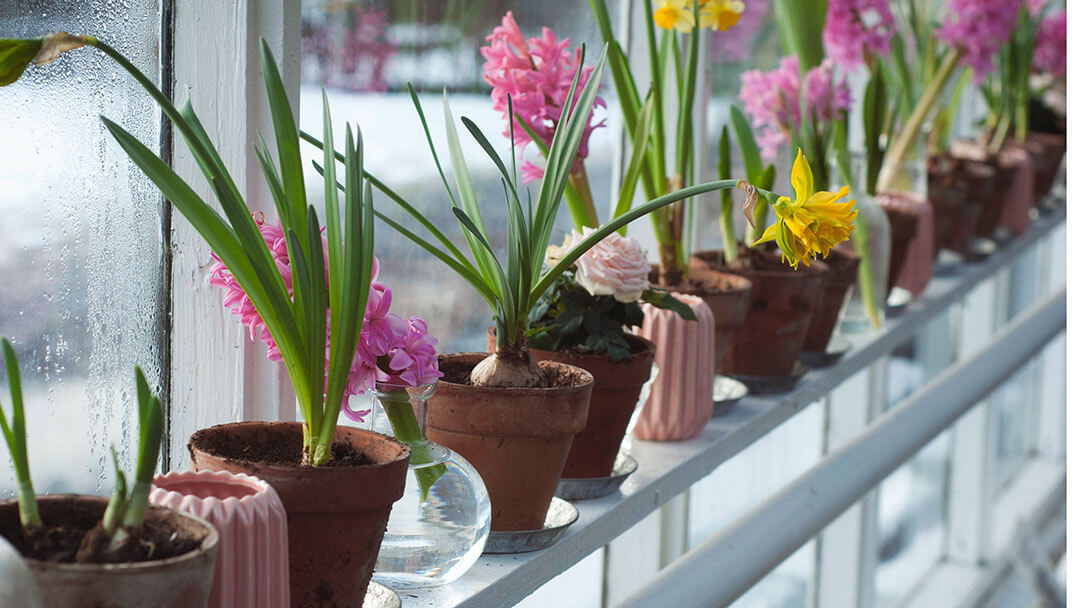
<point>157,538</point>
<point>274,445</point>
<point>552,375</point>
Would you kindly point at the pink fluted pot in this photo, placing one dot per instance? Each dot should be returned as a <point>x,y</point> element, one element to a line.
<point>1016,214</point>
<point>681,402</point>
<point>252,567</point>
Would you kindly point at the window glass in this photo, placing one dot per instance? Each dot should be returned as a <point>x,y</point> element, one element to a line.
<point>364,53</point>
<point>81,264</point>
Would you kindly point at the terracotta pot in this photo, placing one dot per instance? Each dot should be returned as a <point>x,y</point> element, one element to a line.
<point>1020,193</point>
<point>916,267</point>
<point>1048,162</point>
<point>1006,168</point>
<point>843,269</point>
<point>253,556</point>
<point>903,223</point>
<point>517,438</point>
<point>616,389</point>
<point>337,514</point>
<point>727,295</point>
<point>680,402</point>
<point>176,582</point>
<point>957,189</point>
<point>782,304</point>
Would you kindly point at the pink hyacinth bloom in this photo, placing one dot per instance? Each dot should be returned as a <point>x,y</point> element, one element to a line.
<point>389,348</point>
<point>978,29</point>
<point>1050,45</point>
<point>537,75</point>
<point>738,41</point>
<point>777,102</point>
<point>857,29</point>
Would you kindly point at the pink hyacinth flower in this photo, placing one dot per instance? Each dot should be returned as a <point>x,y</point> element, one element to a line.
<point>856,30</point>
<point>978,29</point>
<point>389,346</point>
<point>536,74</point>
<point>1050,44</point>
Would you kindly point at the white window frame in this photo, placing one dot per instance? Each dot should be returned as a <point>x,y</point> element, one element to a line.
<point>217,374</point>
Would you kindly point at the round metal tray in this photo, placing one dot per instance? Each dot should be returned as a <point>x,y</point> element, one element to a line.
<point>379,596</point>
<point>726,391</point>
<point>764,385</point>
<point>559,517</point>
<point>838,345</point>
<point>584,488</point>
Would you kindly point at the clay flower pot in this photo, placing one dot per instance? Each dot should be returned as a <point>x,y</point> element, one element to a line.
<point>916,266</point>
<point>1020,193</point>
<point>957,189</point>
<point>727,295</point>
<point>903,223</point>
<point>842,270</point>
<point>517,438</point>
<point>182,581</point>
<point>616,389</point>
<point>1048,160</point>
<point>253,556</point>
<point>680,403</point>
<point>336,514</point>
<point>782,306</point>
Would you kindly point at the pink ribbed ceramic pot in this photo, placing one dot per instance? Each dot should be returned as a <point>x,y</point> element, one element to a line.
<point>253,555</point>
<point>681,401</point>
<point>1016,214</point>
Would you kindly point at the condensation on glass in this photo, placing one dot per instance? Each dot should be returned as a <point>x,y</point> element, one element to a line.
<point>82,258</point>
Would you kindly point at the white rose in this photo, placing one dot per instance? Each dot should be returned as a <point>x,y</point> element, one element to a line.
<point>615,266</point>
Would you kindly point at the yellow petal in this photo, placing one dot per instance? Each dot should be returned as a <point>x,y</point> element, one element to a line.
<point>665,16</point>
<point>768,235</point>
<point>802,179</point>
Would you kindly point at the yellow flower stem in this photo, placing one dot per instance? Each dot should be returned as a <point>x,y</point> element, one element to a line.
<point>894,159</point>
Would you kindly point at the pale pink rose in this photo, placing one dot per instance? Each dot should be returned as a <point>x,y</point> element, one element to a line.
<point>615,266</point>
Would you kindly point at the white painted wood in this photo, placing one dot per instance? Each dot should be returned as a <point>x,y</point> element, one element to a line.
<point>674,528</point>
<point>970,477</point>
<point>781,524</point>
<point>218,375</point>
<point>845,559</point>
<point>631,561</point>
<point>669,469</point>
<point>947,585</point>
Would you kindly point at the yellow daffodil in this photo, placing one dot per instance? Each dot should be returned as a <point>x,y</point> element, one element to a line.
<point>678,14</point>
<point>721,14</point>
<point>814,222</point>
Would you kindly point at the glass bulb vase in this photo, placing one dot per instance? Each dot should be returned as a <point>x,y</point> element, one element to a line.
<point>438,529</point>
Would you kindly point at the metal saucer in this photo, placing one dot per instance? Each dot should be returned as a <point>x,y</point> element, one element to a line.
<point>764,385</point>
<point>379,596</point>
<point>981,248</point>
<point>725,392</point>
<point>584,488</point>
<point>898,301</point>
<point>838,345</point>
<point>559,517</point>
<point>948,262</point>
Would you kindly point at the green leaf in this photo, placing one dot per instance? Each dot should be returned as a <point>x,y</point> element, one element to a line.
<point>747,144</point>
<point>640,142</point>
<point>15,57</point>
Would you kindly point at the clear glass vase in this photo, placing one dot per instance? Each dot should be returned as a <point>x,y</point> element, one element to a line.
<point>438,529</point>
<point>873,242</point>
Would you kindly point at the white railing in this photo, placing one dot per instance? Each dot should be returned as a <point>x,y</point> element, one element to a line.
<point>668,470</point>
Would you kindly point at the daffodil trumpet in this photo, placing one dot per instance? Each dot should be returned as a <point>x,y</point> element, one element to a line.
<point>813,223</point>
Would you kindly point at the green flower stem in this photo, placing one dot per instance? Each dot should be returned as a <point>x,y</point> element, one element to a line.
<point>28,509</point>
<point>898,150</point>
<point>579,198</point>
<point>407,429</point>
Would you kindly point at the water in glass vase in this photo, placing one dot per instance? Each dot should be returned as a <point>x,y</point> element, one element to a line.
<point>438,529</point>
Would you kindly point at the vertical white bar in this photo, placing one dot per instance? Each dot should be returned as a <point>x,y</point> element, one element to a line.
<point>970,476</point>
<point>218,375</point>
<point>632,560</point>
<point>847,548</point>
